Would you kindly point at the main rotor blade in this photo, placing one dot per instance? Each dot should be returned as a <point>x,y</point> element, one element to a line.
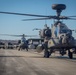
<point>10,35</point>
<point>65,17</point>
<point>45,17</point>
<point>23,14</point>
<point>36,19</point>
<point>30,36</point>
<point>19,35</point>
<point>71,16</point>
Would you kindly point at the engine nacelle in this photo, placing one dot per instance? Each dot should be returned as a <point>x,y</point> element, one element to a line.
<point>45,33</point>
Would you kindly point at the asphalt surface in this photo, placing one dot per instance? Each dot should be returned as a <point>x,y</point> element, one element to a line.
<point>13,62</point>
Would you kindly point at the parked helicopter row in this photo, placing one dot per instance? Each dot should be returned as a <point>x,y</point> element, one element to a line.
<point>58,37</point>
<point>31,43</point>
<point>21,44</point>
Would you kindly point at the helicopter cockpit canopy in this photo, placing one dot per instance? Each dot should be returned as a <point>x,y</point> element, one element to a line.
<point>67,31</point>
<point>60,28</point>
<point>64,29</point>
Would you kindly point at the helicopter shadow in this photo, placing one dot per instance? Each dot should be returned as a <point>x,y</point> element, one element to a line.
<point>10,56</point>
<point>65,57</point>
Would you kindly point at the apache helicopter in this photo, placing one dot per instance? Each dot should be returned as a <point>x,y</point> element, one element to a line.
<point>23,43</point>
<point>58,37</point>
<point>61,40</point>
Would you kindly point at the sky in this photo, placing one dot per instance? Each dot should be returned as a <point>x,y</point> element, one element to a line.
<point>13,24</point>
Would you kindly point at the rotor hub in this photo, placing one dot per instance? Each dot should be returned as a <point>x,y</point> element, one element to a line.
<point>58,6</point>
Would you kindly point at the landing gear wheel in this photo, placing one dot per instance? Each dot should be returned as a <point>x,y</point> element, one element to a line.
<point>75,51</point>
<point>18,49</point>
<point>26,49</point>
<point>70,54</point>
<point>46,54</point>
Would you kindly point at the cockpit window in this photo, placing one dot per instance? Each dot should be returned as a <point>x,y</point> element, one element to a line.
<point>63,31</point>
<point>66,31</point>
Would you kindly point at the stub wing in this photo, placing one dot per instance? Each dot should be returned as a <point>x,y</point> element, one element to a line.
<point>53,42</point>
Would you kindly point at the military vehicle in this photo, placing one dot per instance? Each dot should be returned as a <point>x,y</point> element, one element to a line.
<point>59,37</point>
<point>10,45</point>
<point>34,42</point>
<point>2,45</point>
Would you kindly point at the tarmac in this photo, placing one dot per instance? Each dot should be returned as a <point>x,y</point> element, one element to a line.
<point>14,62</point>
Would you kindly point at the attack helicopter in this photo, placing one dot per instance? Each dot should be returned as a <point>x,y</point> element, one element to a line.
<point>60,37</point>
<point>23,43</point>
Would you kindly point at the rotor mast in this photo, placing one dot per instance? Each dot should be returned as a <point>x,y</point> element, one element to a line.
<point>58,8</point>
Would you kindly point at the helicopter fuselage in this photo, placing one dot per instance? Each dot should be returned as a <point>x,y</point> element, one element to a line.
<point>60,39</point>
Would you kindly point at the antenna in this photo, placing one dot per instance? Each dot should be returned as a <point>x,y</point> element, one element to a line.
<point>46,14</point>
